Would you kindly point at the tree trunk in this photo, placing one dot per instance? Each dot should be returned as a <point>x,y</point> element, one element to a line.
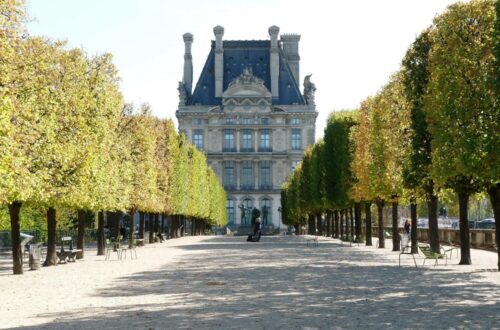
<point>151,228</point>
<point>116,224</point>
<point>82,217</point>
<point>297,228</point>
<point>336,225</point>
<point>413,230</point>
<point>319,224</point>
<point>15,231</point>
<point>357,221</point>
<point>310,226</point>
<point>494,193</point>
<point>432,206</point>
<point>351,214</point>
<point>157,224</point>
<point>395,229</point>
<point>101,242</point>
<point>348,224</point>
<point>141,225</point>
<point>131,237</point>
<point>341,225</point>
<point>328,224</point>
<point>368,224</point>
<point>463,201</point>
<point>173,227</point>
<point>51,258</point>
<point>162,226</point>
<point>380,211</point>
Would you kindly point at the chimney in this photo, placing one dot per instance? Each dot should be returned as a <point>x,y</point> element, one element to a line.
<point>290,44</point>
<point>274,60</point>
<point>219,60</point>
<point>187,78</point>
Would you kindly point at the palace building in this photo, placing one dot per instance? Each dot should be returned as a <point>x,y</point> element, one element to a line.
<point>249,116</point>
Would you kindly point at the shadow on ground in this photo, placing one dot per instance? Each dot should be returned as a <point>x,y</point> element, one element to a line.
<point>280,283</point>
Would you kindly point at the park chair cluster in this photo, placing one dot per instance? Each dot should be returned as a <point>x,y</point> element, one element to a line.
<point>426,251</point>
<point>120,248</point>
<point>68,255</point>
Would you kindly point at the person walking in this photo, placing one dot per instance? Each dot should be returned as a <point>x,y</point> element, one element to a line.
<point>257,230</point>
<point>407,227</point>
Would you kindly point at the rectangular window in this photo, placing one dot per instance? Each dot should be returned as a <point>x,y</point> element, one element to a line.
<point>296,139</point>
<point>230,210</point>
<point>247,175</point>
<point>229,141</point>
<point>229,121</point>
<point>294,164</point>
<point>265,144</point>
<point>246,141</point>
<point>198,138</point>
<point>229,177</point>
<point>246,121</point>
<point>264,121</point>
<point>197,121</point>
<point>265,174</point>
<point>295,121</point>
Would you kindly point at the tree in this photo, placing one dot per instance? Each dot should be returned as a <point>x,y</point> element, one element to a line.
<point>416,172</point>
<point>360,190</point>
<point>11,28</point>
<point>338,155</point>
<point>462,105</point>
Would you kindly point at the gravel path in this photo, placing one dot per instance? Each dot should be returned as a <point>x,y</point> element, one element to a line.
<point>279,283</point>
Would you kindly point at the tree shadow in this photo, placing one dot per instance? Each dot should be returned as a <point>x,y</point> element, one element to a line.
<point>280,283</point>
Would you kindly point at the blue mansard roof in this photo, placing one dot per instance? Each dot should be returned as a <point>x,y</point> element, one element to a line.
<point>239,55</point>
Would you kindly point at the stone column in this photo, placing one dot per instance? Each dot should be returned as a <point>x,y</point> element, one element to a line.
<point>274,60</point>
<point>219,60</point>
<point>187,78</point>
<point>256,140</point>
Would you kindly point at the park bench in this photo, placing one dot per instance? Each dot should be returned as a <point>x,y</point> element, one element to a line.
<point>67,255</point>
<point>428,254</point>
<point>406,248</point>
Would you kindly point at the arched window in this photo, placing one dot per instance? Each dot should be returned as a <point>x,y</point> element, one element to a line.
<point>266,211</point>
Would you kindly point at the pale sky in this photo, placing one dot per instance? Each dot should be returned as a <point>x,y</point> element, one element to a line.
<point>350,47</point>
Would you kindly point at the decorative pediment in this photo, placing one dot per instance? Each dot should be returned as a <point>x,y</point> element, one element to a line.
<point>246,86</point>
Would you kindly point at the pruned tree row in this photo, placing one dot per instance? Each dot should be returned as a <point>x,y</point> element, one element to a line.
<point>67,140</point>
<point>433,127</point>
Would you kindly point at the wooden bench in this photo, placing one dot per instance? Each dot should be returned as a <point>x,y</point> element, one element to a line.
<point>67,255</point>
<point>428,254</point>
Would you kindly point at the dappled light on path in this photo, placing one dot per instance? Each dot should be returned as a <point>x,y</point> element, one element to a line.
<point>280,283</point>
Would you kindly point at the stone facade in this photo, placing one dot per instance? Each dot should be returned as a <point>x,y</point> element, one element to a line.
<point>249,116</point>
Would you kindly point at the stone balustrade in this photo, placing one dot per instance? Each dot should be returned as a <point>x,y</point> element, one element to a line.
<point>479,238</point>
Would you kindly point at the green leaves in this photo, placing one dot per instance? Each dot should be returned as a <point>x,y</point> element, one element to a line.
<point>68,141</point>
<point>462,102</point>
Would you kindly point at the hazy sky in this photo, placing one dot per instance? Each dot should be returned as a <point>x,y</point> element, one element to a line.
<point>350,47</point>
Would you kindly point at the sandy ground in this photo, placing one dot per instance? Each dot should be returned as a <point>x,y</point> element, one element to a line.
<point>279,283</point>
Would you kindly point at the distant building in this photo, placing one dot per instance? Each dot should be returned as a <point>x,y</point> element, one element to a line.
<point>249,116</point>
